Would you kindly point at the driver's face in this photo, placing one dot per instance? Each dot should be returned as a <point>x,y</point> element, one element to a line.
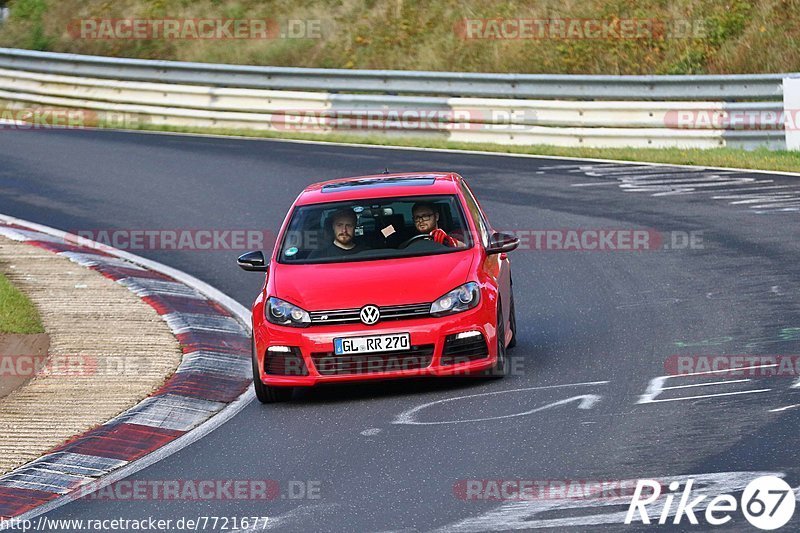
<point>344,230</point>
<point>425,220</point>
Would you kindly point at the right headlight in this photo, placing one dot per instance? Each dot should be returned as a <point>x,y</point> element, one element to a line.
<point>285,314</point>
<point>459,299</point>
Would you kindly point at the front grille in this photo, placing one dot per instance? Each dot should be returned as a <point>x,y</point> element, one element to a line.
<point>285,363</point>
<point>463,350</point>
<point>389,312</point>
<point>330,364</point>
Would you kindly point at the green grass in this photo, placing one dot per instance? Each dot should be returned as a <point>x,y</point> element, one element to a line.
<point>761,159</point>
<point>17,313</point>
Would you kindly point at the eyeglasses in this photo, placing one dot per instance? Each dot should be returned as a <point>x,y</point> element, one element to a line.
<point>423,218</point>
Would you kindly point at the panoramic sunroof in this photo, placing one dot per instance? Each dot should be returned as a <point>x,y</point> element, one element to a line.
<point>379,182</point>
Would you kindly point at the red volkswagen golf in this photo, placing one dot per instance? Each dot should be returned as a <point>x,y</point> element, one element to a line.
<point>379,277</point>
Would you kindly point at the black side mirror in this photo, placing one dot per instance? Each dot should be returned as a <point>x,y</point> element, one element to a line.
<point>501,243</point>
<point>253,262</point>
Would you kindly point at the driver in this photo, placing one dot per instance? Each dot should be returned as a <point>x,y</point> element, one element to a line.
<point>426,220</point>
<point>343,224</point>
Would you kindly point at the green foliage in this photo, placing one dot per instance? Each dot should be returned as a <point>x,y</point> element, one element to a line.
<point>728,24</point>
<point>28,10</point>
<point>17,313</point>
<point>728,36</point>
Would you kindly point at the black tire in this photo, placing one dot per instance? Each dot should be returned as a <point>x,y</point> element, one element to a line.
<point>500,367</point>
<point>512,322</point>
<point>265,393</point>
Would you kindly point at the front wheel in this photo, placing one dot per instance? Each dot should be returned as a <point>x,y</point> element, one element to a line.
<point>500,367</point>
<point>265,393</point>
<point>512,323</point>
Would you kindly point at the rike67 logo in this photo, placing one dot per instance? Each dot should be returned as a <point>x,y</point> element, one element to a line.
<point>767,503</point>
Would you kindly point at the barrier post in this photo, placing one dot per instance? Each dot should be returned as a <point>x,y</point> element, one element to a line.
<point>791,103</point>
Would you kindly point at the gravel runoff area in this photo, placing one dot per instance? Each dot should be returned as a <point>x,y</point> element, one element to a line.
<point>108,351</point>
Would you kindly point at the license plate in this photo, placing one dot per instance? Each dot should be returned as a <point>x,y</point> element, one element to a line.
<point>375,343</point>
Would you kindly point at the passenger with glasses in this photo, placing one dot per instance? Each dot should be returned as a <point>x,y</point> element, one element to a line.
<point>426,220</point>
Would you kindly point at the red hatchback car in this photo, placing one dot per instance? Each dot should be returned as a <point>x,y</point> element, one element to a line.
<point>378,277</point>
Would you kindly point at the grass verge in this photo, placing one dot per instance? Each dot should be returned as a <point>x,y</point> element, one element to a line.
<point>17,313</point>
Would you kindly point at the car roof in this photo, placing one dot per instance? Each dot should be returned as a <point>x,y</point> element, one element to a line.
<point>380,186</point>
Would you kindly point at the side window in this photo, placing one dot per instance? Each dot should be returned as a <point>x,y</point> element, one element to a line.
<point>475,212</point>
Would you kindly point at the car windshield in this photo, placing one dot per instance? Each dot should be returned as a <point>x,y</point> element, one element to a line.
<point>374,229</point>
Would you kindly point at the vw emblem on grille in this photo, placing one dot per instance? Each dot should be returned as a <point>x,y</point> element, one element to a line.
<point>370,314</point>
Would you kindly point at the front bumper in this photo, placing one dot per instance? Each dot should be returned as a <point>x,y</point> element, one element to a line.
<point>314,341</point>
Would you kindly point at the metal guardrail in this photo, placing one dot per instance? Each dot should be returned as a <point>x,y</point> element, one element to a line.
<point>556,113</point>
<point>718,88</point>
<point>175,94</point>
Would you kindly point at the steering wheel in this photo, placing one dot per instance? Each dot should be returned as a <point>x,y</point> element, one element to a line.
<point>415,238</point>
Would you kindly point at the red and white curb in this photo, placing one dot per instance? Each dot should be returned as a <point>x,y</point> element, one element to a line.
<point>211,385</point>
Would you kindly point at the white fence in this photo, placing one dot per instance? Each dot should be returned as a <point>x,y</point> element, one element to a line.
<point>390,102</point>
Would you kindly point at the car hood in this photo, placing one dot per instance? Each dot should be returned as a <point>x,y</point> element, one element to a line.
<point>323,287</point>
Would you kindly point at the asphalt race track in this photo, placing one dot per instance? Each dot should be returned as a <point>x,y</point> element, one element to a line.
<point>595,327</point>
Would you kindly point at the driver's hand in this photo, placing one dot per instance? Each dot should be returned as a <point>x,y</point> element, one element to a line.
<point>439,236</point>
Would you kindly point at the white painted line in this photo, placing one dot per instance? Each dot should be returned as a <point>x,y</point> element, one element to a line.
<point>589,514</point>
<point>747,189</point>
<point>656,386</point>
<point>231,410</point>
<point>795,202</point>
<point>784,408</point>
<point>684,187</point>
<point>704,384</point>
<point>297,514</point>
<point>724,370</point>
<point>586,401</point>
<point>709,395</point>
<point>774,199</point>
<point>445,151</point>
<point>631,170</point>
<point>706,181</point>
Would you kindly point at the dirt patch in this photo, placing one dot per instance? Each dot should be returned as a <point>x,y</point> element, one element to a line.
<point>21,357</point>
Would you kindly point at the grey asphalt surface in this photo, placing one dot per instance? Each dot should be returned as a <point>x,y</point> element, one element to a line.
<point>612,316</point>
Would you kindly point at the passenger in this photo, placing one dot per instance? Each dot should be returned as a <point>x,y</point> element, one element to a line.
<point>343,224</point>
<point>426,220</point>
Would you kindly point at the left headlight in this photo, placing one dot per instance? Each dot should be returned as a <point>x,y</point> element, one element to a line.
<point>285,314</point>
<point>459,299</point>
